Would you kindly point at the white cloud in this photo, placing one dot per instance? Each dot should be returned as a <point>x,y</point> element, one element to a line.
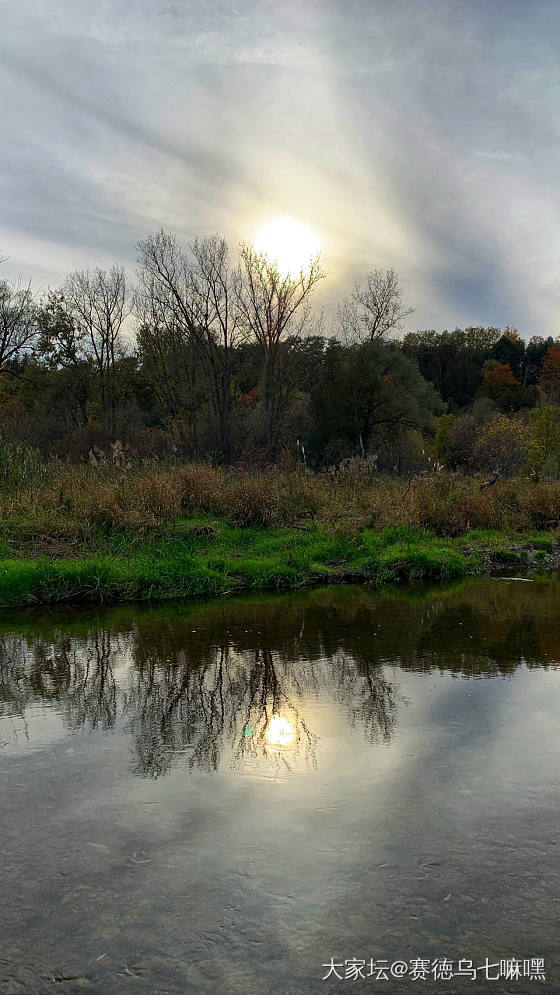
<point>420,136</point>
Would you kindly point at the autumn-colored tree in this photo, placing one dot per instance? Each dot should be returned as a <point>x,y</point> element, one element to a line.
<point>499,376</point>
<point>503,387</point>
<point>513,335</point>
<point>535,351</point>
<point>250,398</point>
<point>510,349</point>
<point>550,374</point>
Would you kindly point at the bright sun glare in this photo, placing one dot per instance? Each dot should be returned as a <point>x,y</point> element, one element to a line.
<point>288,243</point>
<point>280,733</point>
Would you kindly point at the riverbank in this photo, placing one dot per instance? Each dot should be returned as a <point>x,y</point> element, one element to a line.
<point>202,556</point>
<point>118,531</point>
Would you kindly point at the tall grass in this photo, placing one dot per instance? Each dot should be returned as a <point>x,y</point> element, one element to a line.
<point>119,531</point>
<point>22,468</point>
<point>56,508</point>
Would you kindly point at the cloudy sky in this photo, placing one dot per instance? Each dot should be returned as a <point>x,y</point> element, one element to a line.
<point>418,134</point>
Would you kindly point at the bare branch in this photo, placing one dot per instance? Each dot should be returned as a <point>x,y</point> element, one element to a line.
<point>376,309</point>
<point>18,325</point>
<point>194,293</point>
<point>271,307</point>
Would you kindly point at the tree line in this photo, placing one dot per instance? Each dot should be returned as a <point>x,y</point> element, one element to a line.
<point>206,357</point>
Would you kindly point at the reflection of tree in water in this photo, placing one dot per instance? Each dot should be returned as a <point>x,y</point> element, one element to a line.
<point>76,676</point>
<point>194,699</point>
<point>371,701</point>
<point>270,718</point>
<point>236,683</point>
<point>91,699</point>
<point>249,702</point>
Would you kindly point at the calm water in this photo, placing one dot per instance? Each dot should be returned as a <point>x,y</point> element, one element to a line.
<point>223,798</point>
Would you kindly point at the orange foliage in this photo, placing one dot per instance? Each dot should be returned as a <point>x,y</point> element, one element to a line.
<point>249,399</point>
<point>499,376</point>
<point>551,365</point>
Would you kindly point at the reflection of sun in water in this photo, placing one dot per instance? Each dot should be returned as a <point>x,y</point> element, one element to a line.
<point>279,733</point>
<point>288,243</point>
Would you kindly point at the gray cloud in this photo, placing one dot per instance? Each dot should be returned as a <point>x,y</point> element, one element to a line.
<point>420,136</point>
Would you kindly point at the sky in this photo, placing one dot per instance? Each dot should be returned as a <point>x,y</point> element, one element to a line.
<point>422,135</point>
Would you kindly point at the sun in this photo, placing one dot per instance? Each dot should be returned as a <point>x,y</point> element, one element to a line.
<point>288,243</point>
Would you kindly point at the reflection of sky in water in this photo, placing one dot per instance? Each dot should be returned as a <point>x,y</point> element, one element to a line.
<point>280,733</point>
<point>227,823</point>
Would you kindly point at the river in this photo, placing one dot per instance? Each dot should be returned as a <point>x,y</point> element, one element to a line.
<point>248,795</point>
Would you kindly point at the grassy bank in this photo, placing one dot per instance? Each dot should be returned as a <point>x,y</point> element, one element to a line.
<point>116,533</point>
<point>195,558</point>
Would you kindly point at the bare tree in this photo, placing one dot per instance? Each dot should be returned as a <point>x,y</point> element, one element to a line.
<point>375,309</point>
<point>18,326</point>
<point>192,292</point>
<point>272,306</point>
<point>97,304</point>
<point>172,366</point>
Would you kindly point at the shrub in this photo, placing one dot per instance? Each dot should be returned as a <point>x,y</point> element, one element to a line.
<point>200,487</point>
<point>253,500</point>
<point>503,445</point>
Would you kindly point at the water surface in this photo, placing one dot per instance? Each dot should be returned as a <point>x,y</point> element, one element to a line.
<point>223,798</point>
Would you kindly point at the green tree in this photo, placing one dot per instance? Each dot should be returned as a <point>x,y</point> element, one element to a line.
<point>443,425</point>
<point>61,351</point>
<point>452,361</point>
<point>545,436</point>
<point>170,368</point>
<point>365,395</point>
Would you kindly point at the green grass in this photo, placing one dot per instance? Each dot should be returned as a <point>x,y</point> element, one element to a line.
<point>198,556</point>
